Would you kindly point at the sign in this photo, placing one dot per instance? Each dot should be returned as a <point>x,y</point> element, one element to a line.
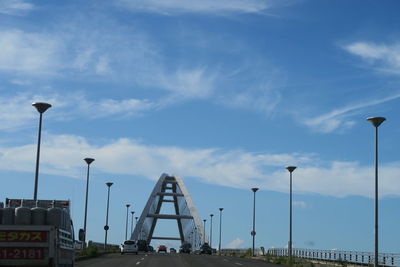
<point>23,236</point>
<point>21,253</point>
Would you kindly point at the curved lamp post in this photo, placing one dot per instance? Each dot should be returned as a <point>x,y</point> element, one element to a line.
<point>126,225</point>
<point>220,229</point>
<point>106,227</point>
<point>41,108</point>
<point>88,161</point>
<point>376,121</point>
<point>253,233</point>
<point>204,227</point>
<point>290,169</point>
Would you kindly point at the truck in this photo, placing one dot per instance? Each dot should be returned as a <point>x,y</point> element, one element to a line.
<point>36,233</point>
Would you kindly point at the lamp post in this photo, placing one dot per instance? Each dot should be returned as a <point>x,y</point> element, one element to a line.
<point>253,233</point>
<point>290,169</point>
<point>41,108</point>
<point>204,235</point>
<point>136,220</point>
<point>126,225</point>
<point>132,212</point>
<point>211,225</point>
<point>88,161</point>
<point>376,121</point>
<point>106,227</point>
<point>220,229</point>
<point>195,237</point>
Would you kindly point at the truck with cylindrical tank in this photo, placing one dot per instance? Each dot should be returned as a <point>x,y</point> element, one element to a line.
<point>36,233</point>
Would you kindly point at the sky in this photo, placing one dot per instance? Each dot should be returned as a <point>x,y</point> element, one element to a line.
<point>224,94</point>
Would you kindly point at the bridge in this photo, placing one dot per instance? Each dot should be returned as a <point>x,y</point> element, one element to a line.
<point>170,190</point>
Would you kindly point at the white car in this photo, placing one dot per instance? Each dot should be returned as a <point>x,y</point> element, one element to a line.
<point>129,246</point>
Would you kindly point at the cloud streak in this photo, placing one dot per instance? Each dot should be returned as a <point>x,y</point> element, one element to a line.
<point>221,7</point>
<point>15,7</point>
<point>62,154</point>
<point>341,118</point>
<point>383,57</point>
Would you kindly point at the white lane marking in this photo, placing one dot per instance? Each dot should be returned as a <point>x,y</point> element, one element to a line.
<point>146,255</point>
<point>142,259</point>
<point>137,263</point>
<point>226,260</point>
<point>237,263</point>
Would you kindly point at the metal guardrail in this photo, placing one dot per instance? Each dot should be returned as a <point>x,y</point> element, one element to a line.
<point>385,259</point>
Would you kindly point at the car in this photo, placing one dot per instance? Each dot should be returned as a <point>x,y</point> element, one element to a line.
<point>205,249</point>
<point>172,250</point>
<point>142,245</point>
<point>129,246</point>
<point>185,248</point>
<point>162,248</point>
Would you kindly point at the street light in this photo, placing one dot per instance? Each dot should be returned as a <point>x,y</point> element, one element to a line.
<point>253,233</point>
<point>41,108</point>
<point>204,236</point>
<point>290,169</point>
<point>88,161</point>
<point>136,220</point>
<point>211,216</point>
<point>106,227</point>
<point>376,121</point>
<point>132,212</point>
<point>126,226</point>
<point>220,229</point>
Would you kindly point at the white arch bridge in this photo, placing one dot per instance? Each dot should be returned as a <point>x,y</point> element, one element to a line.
<point>170,189</point>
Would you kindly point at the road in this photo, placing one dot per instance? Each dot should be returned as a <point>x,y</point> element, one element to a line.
<point>170,260</point>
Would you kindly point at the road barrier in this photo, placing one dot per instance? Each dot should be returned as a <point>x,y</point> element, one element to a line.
<point>385,259</point>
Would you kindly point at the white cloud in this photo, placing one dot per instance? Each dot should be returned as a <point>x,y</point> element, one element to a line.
<point>236,243</point>
<point>63,154</point>
<point>383,57</point>
<point>28,52</point>
<point>341,118</point>
<point>71,106</point>
<point>15,7</point>
<point>219,7</point>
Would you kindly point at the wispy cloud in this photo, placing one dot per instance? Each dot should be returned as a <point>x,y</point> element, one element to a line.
<point>28,52</point>
<point>62,154</point>
<point>219,7</point>
<point>15,7</point>
<point>341,117</point>
<point>66,107</point>
<point>383,57</point>
<point>300,204</point>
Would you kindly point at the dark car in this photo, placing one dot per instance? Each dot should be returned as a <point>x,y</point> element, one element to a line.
<point>205,249</point>
<point>142,245</point>
<point>185,248</point>
<point>172,250</point>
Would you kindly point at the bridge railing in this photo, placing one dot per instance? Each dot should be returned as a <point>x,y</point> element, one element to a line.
<point>385,259</point>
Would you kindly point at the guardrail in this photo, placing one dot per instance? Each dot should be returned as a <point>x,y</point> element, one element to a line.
<point>385,259</point>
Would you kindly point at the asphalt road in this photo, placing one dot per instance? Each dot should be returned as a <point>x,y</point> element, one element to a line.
<point>170,260</point>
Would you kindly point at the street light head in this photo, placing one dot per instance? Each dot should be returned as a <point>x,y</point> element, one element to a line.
<point>128,205</point>
<point>88,160</point>
<point>376,121</point>
<point>254,189</point>
<point>132,212</point>
<point>211,215</point>
<point>109,184</point>
<point>291,168</point>
<point>221,209</point>
<point>204,220</point>
<point>41,107</point>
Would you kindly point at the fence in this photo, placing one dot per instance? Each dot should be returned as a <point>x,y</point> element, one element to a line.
<point>385,259</point>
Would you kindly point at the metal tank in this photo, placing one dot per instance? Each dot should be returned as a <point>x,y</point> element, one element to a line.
<point>8,215</point>
<point>38,215</point>
<point>22,215</point>
<point>54,216</point>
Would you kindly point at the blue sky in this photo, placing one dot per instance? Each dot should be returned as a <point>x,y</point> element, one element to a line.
<point>225,94</point>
